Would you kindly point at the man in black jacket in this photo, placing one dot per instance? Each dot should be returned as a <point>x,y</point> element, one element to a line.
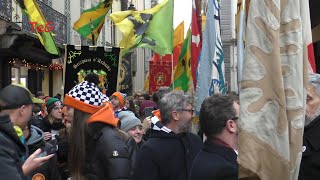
<point>34,140</point>
<point>16,104</point>
<point>310,164</point>
<point>170,150</point>
<point>218,157</point>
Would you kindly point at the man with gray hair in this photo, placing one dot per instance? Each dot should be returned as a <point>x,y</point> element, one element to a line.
<point>170,150</point>
<point>309,168</point>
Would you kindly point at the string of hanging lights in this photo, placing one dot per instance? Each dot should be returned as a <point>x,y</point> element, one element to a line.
<point>16,62</point>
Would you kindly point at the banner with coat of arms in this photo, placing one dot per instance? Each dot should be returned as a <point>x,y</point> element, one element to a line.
<point>83,60</point>
<point>125,76</point>
<point>160,75</point>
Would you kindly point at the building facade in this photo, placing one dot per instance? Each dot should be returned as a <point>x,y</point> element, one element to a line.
<point>23,58</point>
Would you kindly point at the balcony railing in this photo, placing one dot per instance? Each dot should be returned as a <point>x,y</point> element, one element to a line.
<point>6,9</point>
<point>59,22</point>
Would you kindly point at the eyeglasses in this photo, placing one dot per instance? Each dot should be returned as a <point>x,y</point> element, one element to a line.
<point>58,108</point>
<point>235,118</point>
<point>188,110</point>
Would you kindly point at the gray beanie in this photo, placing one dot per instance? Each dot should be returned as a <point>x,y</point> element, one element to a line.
<point>128,120</point>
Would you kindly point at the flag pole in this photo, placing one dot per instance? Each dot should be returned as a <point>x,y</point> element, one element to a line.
<point>240,45</point>
<point>92,34</point>
<point>172,39</point>
<point>172,73</point>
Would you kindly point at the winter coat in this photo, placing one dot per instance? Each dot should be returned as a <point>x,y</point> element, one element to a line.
<point>110,152</point>
<point>37,120</point>
<point>310,163</point>
<point>49,169</point>
<point>12,151</point>
<point>166,156</point>
<point>46,126</point>
<point>215,161</point>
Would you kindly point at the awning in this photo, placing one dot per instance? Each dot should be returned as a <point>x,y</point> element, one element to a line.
<point>24,45</point>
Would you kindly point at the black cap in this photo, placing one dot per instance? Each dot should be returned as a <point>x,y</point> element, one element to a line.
<point>16,95</point>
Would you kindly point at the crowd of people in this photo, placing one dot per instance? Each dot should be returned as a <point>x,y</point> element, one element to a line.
<point>91,136</point>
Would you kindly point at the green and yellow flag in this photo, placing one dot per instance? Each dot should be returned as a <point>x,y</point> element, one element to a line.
<point>151,28</point>
<point>182,73</point>
<point>92,20</point>
<point>32,10</point>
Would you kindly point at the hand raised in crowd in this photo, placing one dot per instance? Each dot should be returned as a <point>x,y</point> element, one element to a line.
<point>146,124</point>
<point>47,136</point>
<point>34,162</point>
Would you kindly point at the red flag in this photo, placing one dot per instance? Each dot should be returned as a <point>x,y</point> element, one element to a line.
<point>195,45</point>
<point>311,57</point>
<point>160,75</point>
<point>307,35</point>
<point>176,53</point>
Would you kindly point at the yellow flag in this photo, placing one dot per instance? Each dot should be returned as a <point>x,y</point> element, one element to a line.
<point>182,73</point>
<point>32,10</point>
<point>151,28</point>
<point>178,36</point>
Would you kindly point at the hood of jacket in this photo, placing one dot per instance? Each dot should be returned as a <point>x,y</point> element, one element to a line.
<point>105,115</point>
<point>36,136</point>
<point>6,126</point>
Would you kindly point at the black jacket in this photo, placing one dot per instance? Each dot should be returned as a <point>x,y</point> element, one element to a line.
<point>49,169</point>
<point>166,156</point>
<point>12,151</point>
<point>310,163</point>
<point>46,126</point>
<point>215,162</point>
<point>109,153</point>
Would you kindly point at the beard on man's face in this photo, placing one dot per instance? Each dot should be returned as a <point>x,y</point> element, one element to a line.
<point>309,117</point>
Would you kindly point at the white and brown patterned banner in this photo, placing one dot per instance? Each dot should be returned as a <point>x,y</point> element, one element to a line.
<point>273,90</point>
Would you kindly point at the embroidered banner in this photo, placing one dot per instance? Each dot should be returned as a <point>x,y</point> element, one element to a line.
<point>82,61</point>
<point>160,75</point>
<point>125,76</point>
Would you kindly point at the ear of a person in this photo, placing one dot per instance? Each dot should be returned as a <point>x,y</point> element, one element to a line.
<point>231,126</point>
<point>175,115</point>
<point>23,109</point>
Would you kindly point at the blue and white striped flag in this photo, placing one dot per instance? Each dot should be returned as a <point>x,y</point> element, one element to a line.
<point>210,75</point>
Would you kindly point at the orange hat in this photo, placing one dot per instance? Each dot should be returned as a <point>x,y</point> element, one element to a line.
<point>105,115</point>
<point>119,95</point>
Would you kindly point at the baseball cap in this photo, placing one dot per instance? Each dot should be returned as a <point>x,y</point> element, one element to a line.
<point>15,95</point>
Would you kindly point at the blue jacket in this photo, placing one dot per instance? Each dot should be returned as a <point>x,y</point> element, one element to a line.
<point>215,162</point>
<point>166,156</point>
<point>49,169</point>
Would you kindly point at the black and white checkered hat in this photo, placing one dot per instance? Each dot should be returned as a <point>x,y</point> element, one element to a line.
<point>87,96</point>
<point>88,93</point>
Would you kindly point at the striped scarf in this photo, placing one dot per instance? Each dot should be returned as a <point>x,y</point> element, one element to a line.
<point>156,123</point>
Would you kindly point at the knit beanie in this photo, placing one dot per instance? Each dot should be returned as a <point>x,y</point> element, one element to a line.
<point>128,120</point>
<point>85,97</point>
<point>147,104</point>
<point>120,96</point>
<point>51,103</point>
